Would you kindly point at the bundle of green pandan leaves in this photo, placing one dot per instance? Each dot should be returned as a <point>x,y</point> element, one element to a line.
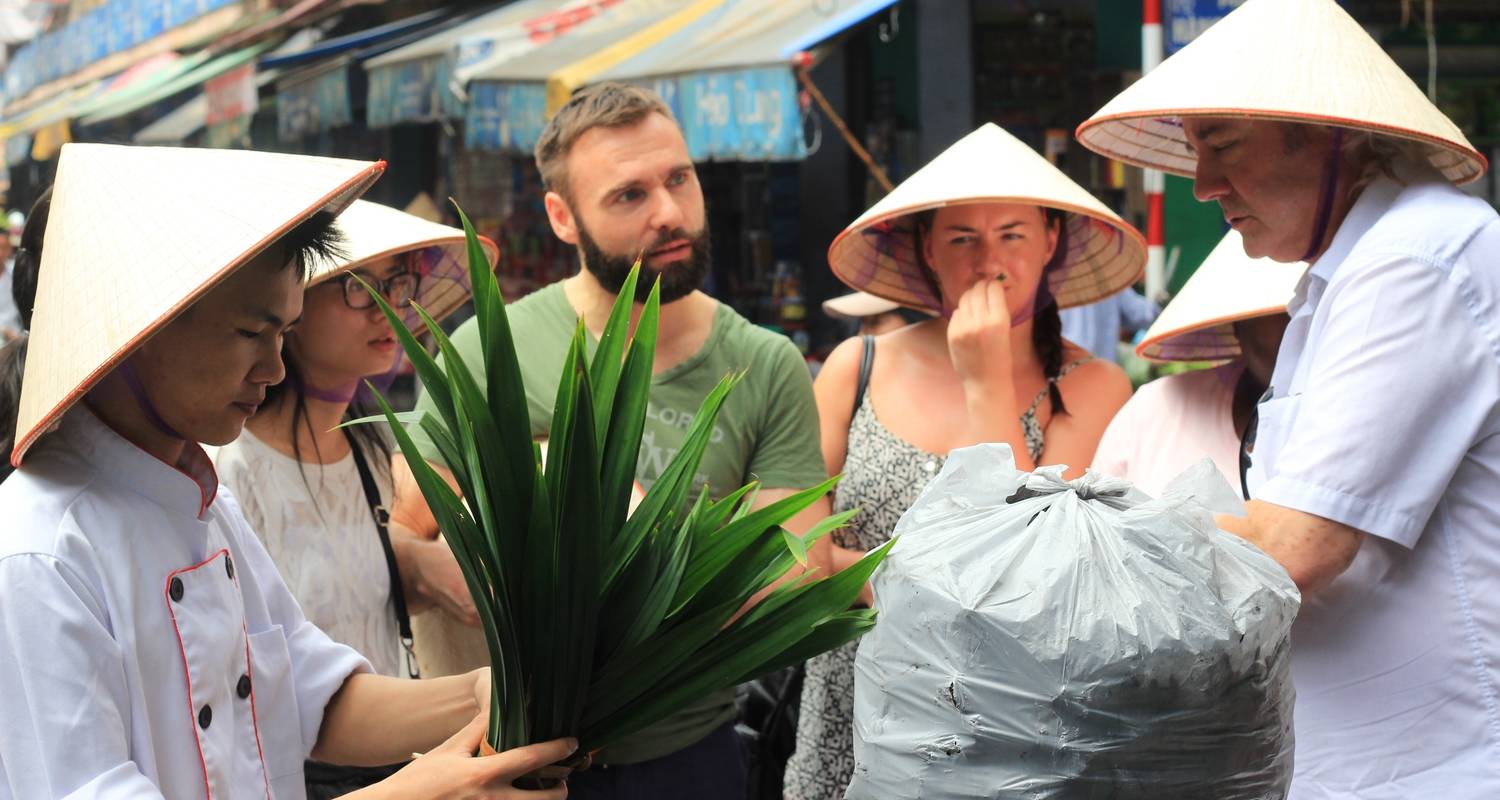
<point>599,620</point>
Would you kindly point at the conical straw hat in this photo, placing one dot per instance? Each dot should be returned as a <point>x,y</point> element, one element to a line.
<point>876,254</point>
<point>1291,60</point>
<point>138,234</point>
<point>373,231</point>
<point>1229,286</point>
<point>857,305</point>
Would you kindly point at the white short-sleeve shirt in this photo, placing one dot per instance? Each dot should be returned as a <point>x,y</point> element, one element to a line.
<point>1385,416</point>
<point>148,647</point>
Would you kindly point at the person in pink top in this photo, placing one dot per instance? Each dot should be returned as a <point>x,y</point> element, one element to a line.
<point>1232,311</point>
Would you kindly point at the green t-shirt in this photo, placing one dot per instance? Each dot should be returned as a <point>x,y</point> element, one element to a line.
<point>767,430</point>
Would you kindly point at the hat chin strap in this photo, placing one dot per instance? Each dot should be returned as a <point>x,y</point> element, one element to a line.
<point>341,394</point>
<point>1331,172</point>
<point>138,391</point>
<point>348,392</point>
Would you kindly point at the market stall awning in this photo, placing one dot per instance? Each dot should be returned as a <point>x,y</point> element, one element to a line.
<point>31,76</point>
<point>203,72</point>
<point>508,100</point>
<point>744,34</point>
<point>177,125</point>
<point>412,83</point>
<point>314,99</point>
<point>726,73</point>
<point>314,94</point>
<point>48,112</point>
<point>729,77</point>
<point>341,45</point>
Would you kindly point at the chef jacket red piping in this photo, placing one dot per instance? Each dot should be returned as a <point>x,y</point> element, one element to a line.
<point>186,673</point>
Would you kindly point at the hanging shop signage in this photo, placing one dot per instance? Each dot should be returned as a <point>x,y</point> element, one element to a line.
<point>109,27</point>
<point>231,95</point>
<point>744,115</point>
<point>412,91</point>
<point>505,116</point>
<point>1185,19</point>
<point>741,115</point>
<point>314,104</point>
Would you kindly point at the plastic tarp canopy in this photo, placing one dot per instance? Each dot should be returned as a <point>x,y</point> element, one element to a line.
<point>174,127</point>
<point>161,90</point>
<point>411,83</point>
<point>538,47</point>
<point>747,33</point>
<point>726,75</point>
<point>353,41</point>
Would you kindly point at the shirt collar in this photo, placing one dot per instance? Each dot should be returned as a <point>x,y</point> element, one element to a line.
<point>1367,210</point>
<point>189,486</point>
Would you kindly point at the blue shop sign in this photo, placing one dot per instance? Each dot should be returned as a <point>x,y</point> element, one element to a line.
<point>180,12</point>
<point>411,91</point>
<point>738,115</point>
<point>745,115</point>
<point>1183,20</point>
<point>505,116</point>
<point>116,33</point>
<point>317,104</point>
<point>150,19</point>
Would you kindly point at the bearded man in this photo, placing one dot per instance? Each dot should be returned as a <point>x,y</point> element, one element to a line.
<point>620,184</point>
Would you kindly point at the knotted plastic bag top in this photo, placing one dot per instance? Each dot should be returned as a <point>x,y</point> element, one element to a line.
<point>1044,638</point>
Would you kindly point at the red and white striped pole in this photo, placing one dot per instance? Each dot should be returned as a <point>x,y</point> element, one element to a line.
<point>1155,181</point>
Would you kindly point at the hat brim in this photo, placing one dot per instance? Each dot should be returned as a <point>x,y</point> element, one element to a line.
<point>1213,341</point>
<point>877,252</point>
<point>374,232</point>
<point>897,274</point>
<point>858,305</point>
<point>446,293</point>
<point>1155,139</point>
<point>1228,287</point>
<point>32,423</point>
<point>1297,61</point>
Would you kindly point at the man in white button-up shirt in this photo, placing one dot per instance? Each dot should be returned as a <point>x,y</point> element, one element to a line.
<point>1376,458</point>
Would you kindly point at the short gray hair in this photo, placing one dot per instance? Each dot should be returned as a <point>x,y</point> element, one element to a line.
<point>1381,155</point>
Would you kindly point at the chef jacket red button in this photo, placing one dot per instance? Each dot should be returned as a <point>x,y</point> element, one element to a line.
<point>205,716</point>
<point>243,687</point>
<point>174,590</point>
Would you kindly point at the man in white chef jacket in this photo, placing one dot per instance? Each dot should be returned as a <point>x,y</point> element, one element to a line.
<point>148,647</point>
<point>1376,461</point>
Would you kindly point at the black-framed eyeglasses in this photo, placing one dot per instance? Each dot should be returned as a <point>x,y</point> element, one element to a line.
<point>399,289</point>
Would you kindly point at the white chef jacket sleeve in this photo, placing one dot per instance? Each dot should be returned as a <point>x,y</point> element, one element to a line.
<point>1401,382</point>
<point>320,665</point>
<point>64,702</point>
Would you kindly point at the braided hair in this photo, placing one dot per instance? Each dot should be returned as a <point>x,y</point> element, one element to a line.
<point>1046,322</point>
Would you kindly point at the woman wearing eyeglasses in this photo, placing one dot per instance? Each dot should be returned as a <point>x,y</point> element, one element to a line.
<point>316,493</point>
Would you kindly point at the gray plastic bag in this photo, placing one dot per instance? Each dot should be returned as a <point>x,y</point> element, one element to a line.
<point>1055,640</point>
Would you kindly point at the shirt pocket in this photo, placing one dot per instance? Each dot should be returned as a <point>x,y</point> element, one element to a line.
<point>274,699</point>
<point>1274,421</point>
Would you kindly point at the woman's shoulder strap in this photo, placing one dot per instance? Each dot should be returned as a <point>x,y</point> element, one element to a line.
<point>866,365</point>
<point>1070,366</point>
